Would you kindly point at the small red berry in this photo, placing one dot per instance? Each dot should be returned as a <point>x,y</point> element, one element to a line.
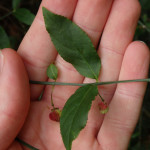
<point>55,114</point>
<point>103,107</point>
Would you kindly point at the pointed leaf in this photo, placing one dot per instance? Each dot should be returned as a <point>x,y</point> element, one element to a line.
<point>73,44</point>
<point>24,15</point>
<point>75,113</point>
<point>52,72</point>
<point>4,40</point>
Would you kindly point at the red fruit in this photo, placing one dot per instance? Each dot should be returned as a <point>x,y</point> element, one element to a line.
<point>55,114</point>
<point>103,107</point>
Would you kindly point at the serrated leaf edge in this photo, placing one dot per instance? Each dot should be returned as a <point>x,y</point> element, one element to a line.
<point>73,119</point>
<point>89,40</point>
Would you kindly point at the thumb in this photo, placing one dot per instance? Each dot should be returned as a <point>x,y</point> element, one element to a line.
<point>14,96</point>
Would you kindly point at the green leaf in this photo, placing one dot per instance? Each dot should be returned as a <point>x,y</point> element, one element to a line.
<point>24,16</point>
<point>15,4</point>
<point>75,113</point>
<point>4,40</point>
<point>52,72</point>
<point>73,44</point>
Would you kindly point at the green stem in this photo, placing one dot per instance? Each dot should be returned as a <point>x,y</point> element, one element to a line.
<point>8,14</point>
<point>101,97</point>
<point>52,103</point>
<point>140,129</point>
<point>82,84</point>
<point>144,26</point>
<point>97,81</point>
<point>26,144</point>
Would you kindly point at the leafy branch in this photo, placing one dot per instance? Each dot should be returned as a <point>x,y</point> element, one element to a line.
<point>75,47</point>
<point>23,15</point>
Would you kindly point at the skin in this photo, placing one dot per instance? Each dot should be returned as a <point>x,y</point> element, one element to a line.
<point>25,117</point>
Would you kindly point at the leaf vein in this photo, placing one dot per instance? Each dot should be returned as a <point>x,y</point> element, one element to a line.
<point>79,52</point>
<point>82,100</point>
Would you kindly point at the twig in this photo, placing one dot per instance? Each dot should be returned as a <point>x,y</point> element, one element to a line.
<point>26,144</point>
<point>146,112</point>
<point>83,84</point>
<point>144,26</point>
<point>6,15</point>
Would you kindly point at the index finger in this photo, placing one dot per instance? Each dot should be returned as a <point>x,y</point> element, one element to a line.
<point>36,49</point>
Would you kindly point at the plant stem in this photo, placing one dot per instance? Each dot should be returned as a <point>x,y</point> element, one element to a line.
<point>140,129</point>
<point>146,112</point>
<point>83,84</point>
<point>101,97</point>
<point>144,26</point>
<point>52,103</point>
<point>26,144</point>
<point>8,14</point>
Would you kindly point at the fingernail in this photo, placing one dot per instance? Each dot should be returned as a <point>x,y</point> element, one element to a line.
<point>1,61</point>
<point>142,42</point>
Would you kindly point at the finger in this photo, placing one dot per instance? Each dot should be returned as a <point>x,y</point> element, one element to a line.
<point>14,96</point>
<point>117,35</point>
<point>36,48</point>
<point>15,146</point>
<point>125,106</point>
<point>91,16</point>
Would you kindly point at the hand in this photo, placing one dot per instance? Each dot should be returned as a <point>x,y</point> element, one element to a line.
<point>121,59</point>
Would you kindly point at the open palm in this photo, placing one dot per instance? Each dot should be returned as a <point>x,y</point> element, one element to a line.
<point>112,23</point>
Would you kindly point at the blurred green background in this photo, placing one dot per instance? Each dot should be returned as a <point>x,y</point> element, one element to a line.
<point>16,17</point>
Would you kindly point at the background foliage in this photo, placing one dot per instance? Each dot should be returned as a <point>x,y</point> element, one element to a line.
<point>16,17</point>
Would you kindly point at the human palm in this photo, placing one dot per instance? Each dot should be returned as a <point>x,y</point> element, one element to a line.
<point>112,23</point>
